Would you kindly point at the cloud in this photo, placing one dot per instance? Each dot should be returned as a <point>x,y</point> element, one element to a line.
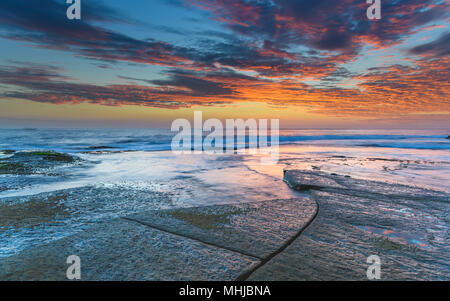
<point>45,84</point>
<point>44,23</point>
<point>323,24</point>
<point>270,49</point>
<point>190,83</point>
<point>439,47</point>
<point>392,91</point>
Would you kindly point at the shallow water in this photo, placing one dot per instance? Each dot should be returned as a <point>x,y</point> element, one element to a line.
<point>134,171</point>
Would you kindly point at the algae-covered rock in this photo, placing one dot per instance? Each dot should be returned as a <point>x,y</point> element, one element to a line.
<point>257,229</point>
<point>33,213</point>
<point>7,151</point>
<point>122,250</point>
<point>13,168</point>
<point>27,163</point>
<point>204,243</point>
<point>52,156</point>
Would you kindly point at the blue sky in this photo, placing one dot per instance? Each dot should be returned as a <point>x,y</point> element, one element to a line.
<point>318,62</point>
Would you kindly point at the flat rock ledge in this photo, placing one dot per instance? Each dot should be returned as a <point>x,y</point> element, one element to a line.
<point>205,243</point>
<point>407,227</point>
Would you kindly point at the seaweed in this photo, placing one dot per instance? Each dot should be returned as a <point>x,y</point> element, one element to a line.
<point>13,168</point>
<point>27,163</point>
<point>53,156</point>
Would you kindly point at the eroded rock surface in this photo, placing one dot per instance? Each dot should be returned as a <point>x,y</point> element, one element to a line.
<point>204,243</point>
<point>123,250</point>
<point>256,229</point>
<point>407,227</point>
<point>29,221</point>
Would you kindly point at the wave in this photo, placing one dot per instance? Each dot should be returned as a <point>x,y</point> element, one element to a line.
<point>430,146</point>
<point>433,142</point>
<point>357,137</point>
<point>160,140</point>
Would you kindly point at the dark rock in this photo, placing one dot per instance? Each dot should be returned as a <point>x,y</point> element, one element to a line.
<point>123,250</point>
<point>205,243</point>
<point>256,229</point>
<point>52,156</point>
<point>101,147</point>
<point>13,168</point>
<point>361,219</point>
<point>309,180</point>
<point>27,163</point>
<point>8,151</point>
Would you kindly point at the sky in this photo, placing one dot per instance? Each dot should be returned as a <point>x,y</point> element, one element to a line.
<point>145,63</point>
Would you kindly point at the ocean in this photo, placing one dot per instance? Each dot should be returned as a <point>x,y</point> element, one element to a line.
<point>83,140</point>
<point>419,157</point>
